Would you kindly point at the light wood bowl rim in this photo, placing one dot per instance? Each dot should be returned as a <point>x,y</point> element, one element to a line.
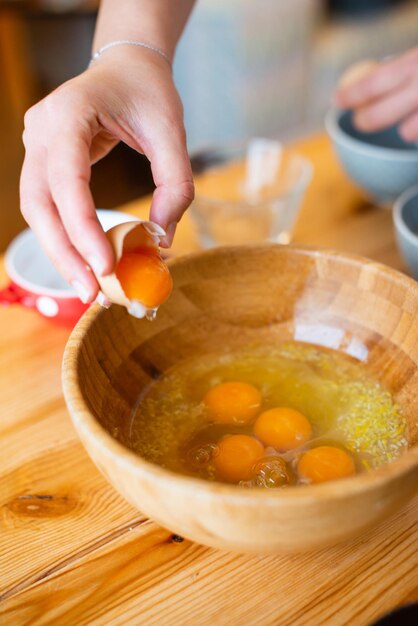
<point>85,422</point>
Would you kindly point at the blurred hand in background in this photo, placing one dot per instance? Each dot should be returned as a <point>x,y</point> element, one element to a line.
<point>383,94</point>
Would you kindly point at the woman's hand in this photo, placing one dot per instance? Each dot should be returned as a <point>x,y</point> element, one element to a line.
<point>127,95</point>
<point>387,94</point>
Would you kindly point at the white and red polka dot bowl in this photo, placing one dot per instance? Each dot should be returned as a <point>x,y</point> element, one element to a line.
<point>36,284</point>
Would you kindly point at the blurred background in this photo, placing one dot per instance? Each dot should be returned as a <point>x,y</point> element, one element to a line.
<point>244,68</point>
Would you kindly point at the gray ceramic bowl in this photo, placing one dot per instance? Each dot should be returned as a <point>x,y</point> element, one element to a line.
<point>405,218</point>
<point>381,163</point>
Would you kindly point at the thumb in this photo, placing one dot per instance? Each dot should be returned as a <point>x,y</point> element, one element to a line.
<point>172,173</point>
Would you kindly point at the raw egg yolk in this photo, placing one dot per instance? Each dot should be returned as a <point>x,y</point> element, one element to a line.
<point>325,463</point>
<point>282,428</point>
<point>144,276</point>
<point>236,456</point>
<point>232,402</point>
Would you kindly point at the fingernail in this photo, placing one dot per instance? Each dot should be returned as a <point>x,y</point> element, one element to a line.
<point>170,232</point>
<point>97,265</point>
<point>103,301</point>
<point>82,291</point>
<point>154,229</point>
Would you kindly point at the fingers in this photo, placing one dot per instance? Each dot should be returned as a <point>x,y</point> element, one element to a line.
<point>55,195</point>
<point>388,77</point>
<point>388,110</point>
<point>68,176</point>
<point>376,84</point>
<point>408,130</point>
<point>385,96</point>
<point>172,173</point>
<point>39,211</point>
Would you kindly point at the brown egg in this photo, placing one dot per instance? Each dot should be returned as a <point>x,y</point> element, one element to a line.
<point>141,280</point>
<point>356,72</point>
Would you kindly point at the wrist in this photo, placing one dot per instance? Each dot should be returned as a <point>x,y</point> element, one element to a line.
<point>132,44</point>
<point>157,22</point>
<point>130,61</point>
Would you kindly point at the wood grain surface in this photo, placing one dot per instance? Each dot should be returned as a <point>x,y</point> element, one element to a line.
<point>73,552</point>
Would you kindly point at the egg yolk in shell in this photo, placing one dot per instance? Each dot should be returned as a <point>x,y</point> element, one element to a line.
<point>232,402</point>
<point>144,276</point>
<point>325,463</point>
<point>283,428</point>
<point>236,456</point>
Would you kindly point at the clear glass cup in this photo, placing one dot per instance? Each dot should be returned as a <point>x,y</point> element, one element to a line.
<point>248,193</point>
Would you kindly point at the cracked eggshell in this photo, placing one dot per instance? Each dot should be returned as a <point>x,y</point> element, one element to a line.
<point>122,238</point>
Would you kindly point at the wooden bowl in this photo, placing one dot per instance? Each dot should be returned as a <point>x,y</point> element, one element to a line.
<point>227,298</point>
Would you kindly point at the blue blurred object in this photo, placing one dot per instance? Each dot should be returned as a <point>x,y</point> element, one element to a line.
<point>243,69</point>
<point>405,219</point>
<point>381,163</point>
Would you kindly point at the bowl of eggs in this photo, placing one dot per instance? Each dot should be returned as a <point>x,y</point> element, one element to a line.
<point>271,404</point>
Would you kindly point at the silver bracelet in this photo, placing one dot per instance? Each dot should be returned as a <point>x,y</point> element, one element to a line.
<point>128,42</point>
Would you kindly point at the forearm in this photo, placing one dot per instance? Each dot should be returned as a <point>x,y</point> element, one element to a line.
<point>157,22</point>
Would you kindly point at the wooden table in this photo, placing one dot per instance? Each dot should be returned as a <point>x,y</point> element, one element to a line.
<point>74,553</point>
